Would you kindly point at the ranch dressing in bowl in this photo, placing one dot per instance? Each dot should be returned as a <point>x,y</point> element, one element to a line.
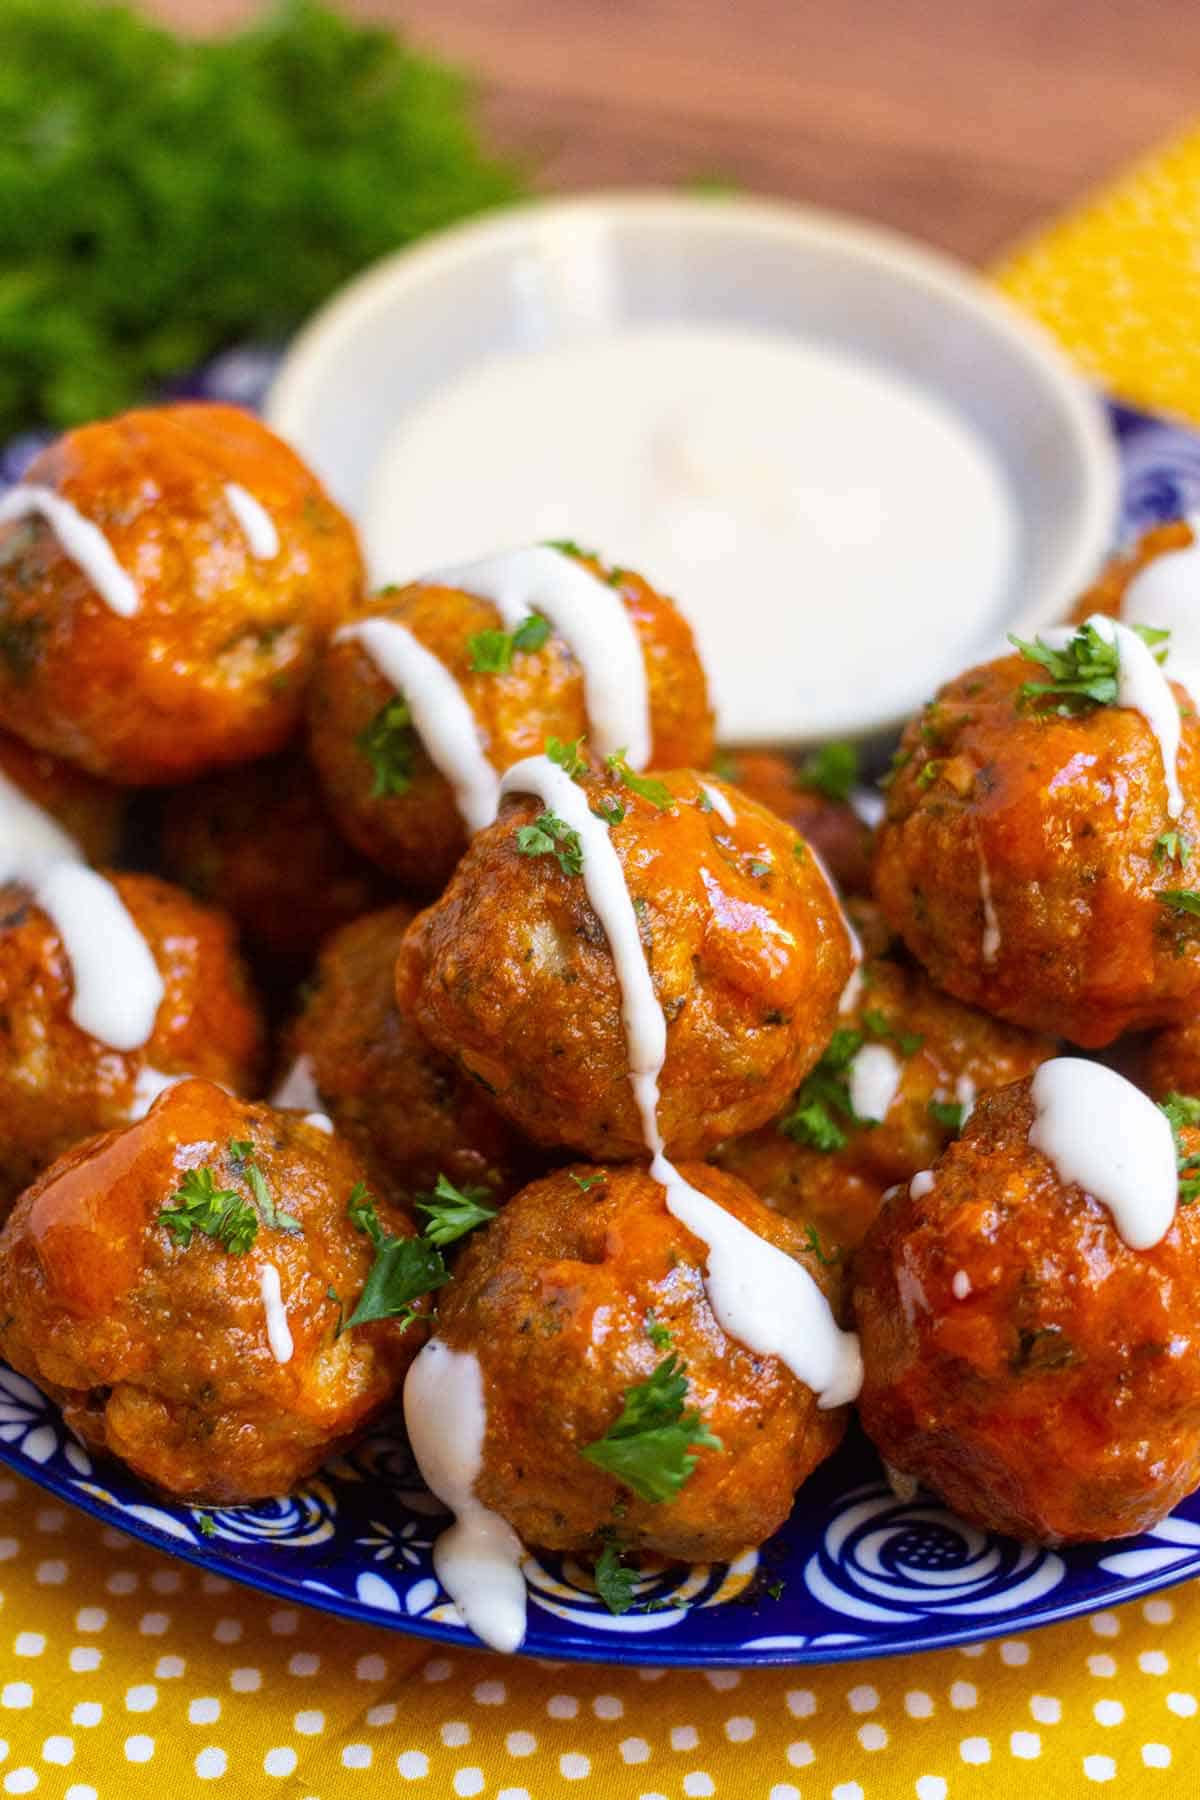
<point>839,536</point>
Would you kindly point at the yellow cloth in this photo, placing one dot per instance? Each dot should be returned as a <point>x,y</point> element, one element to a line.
<point>123,1673</point>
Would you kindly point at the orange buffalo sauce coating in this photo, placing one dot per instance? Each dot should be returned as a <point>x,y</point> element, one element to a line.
<point>57,1084</point>
<point>511,974</point>
<point>212,669</point>
<point>558,1299</point>
<point>1020,1359</point>
<point>832,827</point>
<point>158,1351</point>
<point>417,835</point>
<point>1056,823</point>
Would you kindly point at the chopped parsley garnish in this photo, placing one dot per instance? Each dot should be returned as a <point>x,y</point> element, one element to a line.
<point>615,1583</point>
<point>822,1105</point>
<point>586,1182</point>
<point>656,792</point>
<point>389,744</point>
<point>1084,673</point>
<point>948,1114</point>
<point>453,1212</point>
<point>832,770</point>
<point>648,1448</point>
<point>403,1269</point>
<point>878,1025</point>
<point>569,757</point>
<point>1173,846</point>
<point>704,801</point>
<point>1181,1110</point>
<point>800,850</point>
<point>1182,900</point>
<point>205,1525</point>
<point>551,836</point>
<point>726,765</point>
<point>827,1259</point>
<point>759,868</point>
<point>611,811</point>
<point>569,547</point>
<point>220,1213</point>
<point>658,1333</point>
<point>492,651</point>
<point>241,1153</point>
<point>929,773</point>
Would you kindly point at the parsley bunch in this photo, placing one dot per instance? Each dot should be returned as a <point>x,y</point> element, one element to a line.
<point>821,1110</point>
<point>1084,673</point>
<point>648,1448</point>
<point>161,197</point>
<point>1181,1110</point>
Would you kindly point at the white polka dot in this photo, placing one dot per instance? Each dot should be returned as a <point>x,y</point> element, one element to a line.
<point>975,1750</point>
<point>456,1733</point>
<point>846,1790</point>
<point>607,1706</point>
<point>304,1663</point>
<point>370,1668</point>
<point>1014,1652</point>
<point>142,1698</point>
<point>1099,1768</point>
<point>963,1695</point>
<point>562,1706</point>
<point>863,1699</point>
<point>91,1618</point>
<point>204,1711</point>
<point>1156,1756</point>
<point>513,1794</point>
<point>574,1767</point>
<point>8,1548</point>
<point>520,1743</point>
<point>121,1581</point>
<point>51,1518</point>
<point>918,1704</point>
<point>1183,1705</point>
<point>280,1761</point>
<point>51,1573</point>
<point>60,1750</point>
<point>931,1787</point>
<point>801,1703</point>
<point>1158,1612</point>
<point>115,1540</point>
<point>1153,1662</point>
<point>87,1712</point>
<point>1108,1712</point>
<point>1045,1708</point>
<point>413,1764</point>
<point>642,1674</point>
<point>783,1790</point>
<point>437,1669</point>
<point>20,1781</point>
<point>800,1754</point>
<point>684,1737</point>
<point>81,1790</point>
<point>722,1679</point>
<point>83,1659</point>
<point>225,1631</point>
<point>634,1750</point>
<point>211,1763</point>
<point>468,1782</point>
<point>1025,1744</point>
<point>284,1622</point>
<point>139,1748</point>
<point>740,1730</point>
<point>169,1668</point>
<point>166,1581</point>
<point>245,1681</point>
<point>357,1756</point>
<point>973,1650</point>
<point>16,1694</point>
<point>489,1693</point>
<point>382,1715</point>
<point>308,1724</point>
<point>698,1783</point>
<point>214,1584</point>
<point>872,1737</point>
<point>1103,1667</point>
<point>29,1643</point>
<point>1105,1624</point>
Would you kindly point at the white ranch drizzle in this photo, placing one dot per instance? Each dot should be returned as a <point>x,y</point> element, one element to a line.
<point>719,803</point>
<point>1142,687</point>
<point>921,1184</point>
<point>960,1286</point>
<point>1166,595</point>
<point>279,1334</point>
<point>148,1085</point>
<point>592,620</point>
<point>852,992</point>
<point>257,525</point>
<point>440,714</point>
<point>320,1122</point>
<point>875,1077</point>
<point>1103,1134</point>
<point>297,1092</point>
<point>990,945</point>
<point>478,1560</point>
<point>869,806</point>
<point>965,1092</point>
<point>79,539</point>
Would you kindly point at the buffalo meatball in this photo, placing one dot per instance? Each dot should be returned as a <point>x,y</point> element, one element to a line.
<point>895,1084</point>
<point>1107,593</point>
<point>57,1083</point>
<point>1170,1062</point>
<point>234,565</point>
<point>1029,858</point>
<point>181,1288</point>
<point>89,811</point>
<point>259,842</point>
<point>511,972</point>
<point>575,1295</point>
<point>814,804</point>
<point>383,790</point>
<point>1020,1358</point>
<point>408,1109</point>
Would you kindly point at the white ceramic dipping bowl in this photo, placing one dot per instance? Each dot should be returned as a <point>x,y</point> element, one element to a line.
<point>536,275</point>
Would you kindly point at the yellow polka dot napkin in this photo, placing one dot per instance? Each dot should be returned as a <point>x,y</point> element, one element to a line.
<point>124,1674</point>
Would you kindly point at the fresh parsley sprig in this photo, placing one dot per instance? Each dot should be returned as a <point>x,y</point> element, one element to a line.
<point>389,744</point>
<point>656,792</point>
<point>241,1154</point>
<point>648,1447</point>
<point>569,757</point>
<point>1181,1110</point>
<point>1083,674</point>
<point>948,1114</point>
<point>453,1212</point>
<point>492,651</point>
<point>831,770</point>
<point>822,1107</point>
<point>1180,900</point>
<point>616,1584</point>
<point>551,836</point>
<point>403,1268</point>
<point>219,1213</point>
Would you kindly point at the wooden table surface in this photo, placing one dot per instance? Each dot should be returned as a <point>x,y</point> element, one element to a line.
<point>965,121</point>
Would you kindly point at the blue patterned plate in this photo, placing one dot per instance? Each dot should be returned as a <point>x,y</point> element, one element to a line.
<point>856,1572</point>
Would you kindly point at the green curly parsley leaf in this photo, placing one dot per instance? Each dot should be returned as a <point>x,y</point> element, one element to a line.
<point>615,1583</point>
<point>569,757</point>
<point>389,744</point>
<point>948,1114</point>
<point>656,792</point>
<point>657,1332</point>
<point>492,651</point>
<point>241,1154</point>
<point>1083,674</point>
<point>1173,846</point>
<point>453,1212</point>
<point>219,1213</point>
<point>821,1108</point>
<point>403,1269</point>
<point>1180,900</point>
<point>648,1447</point>
<point>551,836</point>
<point>1181,1110</point>
<point>832,770</point>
